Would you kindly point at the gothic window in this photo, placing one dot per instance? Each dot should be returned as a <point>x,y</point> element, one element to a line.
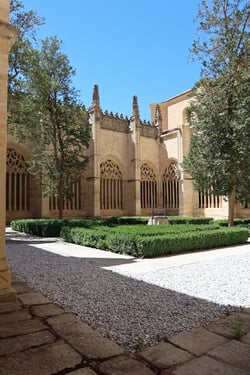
<point>170,186</point>
<point>111,186</point>
<point>206,199</point>
<point>17,182</point>
<point>148,187</point>
<point>72,203</point>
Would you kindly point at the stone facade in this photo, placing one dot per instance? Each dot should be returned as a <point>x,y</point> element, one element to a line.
<point>135,168</point>
<point>7,36</point>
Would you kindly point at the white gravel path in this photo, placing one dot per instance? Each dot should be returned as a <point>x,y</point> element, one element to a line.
<point>163,301</point>
<point>224,281</point>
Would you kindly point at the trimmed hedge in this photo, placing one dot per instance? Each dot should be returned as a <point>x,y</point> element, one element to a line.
<point>189,220</point>
<point>174,243</point>
<point>138,244</point>
<point>53,227</point>
<point>116,234</point>
<point>237,222</point>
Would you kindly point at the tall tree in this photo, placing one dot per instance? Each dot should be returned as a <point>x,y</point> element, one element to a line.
<point>27,23</point>
<point>52,117</point>
<point>219,153</point>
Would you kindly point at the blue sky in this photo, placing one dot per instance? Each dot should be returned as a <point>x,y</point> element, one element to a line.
<point>127,47</point>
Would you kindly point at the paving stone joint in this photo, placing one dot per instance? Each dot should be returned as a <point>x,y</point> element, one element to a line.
<point>38,338</point>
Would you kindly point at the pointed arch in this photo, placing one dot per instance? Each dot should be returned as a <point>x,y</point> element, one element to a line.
<point>170,185</point>
<point>148,187</point>
<point>17,182</point>
<point>111,186</point>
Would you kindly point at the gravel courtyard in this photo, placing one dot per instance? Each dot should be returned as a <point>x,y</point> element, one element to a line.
<point>124,301</point>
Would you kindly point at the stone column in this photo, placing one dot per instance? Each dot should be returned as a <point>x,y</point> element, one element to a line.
<point>93,169</point>
<point>7,37</point>
<point>133,204</point>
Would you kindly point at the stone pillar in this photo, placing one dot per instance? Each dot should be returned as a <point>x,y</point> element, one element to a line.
<point>7,37</point>
<point>93,169</point>
<point>134,173</point>
<point>186,189</point>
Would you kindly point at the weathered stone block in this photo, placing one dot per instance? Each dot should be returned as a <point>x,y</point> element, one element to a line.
<point>198,341</point>
<point>207,366</point>
<point>33,299</point>
<point>23,342</point>
<point>165,355</point>
<point>45,360</point>
<point>124,366</point>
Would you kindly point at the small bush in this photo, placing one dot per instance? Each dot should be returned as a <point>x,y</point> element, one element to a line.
<point>41,227</point>
<point>189,220</point>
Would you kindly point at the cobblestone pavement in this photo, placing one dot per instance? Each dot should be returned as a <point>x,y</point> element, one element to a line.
<point>38,338</point>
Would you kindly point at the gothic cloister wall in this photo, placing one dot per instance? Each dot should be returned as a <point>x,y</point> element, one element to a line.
<point>135,168</point>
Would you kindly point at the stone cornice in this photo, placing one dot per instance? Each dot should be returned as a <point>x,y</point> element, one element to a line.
<point>9,32</point>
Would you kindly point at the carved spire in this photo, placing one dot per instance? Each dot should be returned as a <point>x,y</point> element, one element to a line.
<point>157,114</point>
<point>135,107</point>
<point>158,117</point>
<point>96,101</point>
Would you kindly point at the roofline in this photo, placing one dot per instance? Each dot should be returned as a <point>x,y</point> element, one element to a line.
<point>174,97</point>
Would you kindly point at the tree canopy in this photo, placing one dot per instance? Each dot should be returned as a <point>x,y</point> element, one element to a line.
<point>219,153</point>
<point>45,110</point>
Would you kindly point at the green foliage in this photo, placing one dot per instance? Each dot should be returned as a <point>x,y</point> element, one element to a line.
<point>137,240</point>
<point>238,222</point>
<point>53,227</point>
<point>152,241</point>
<point>26,22</point>
<point>189,220</point>
<point>218,157</point>
<point>125,220</point>
<point>41,227</point>
<point>44,108</point>
<point>238,330</point>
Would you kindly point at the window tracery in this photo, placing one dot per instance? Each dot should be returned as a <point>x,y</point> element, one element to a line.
<point>170,186</point>
<point>111,186</point>
<point>17,182</point>
<point>148,187</point>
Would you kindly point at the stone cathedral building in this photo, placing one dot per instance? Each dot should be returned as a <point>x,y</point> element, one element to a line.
<point>135,168</point>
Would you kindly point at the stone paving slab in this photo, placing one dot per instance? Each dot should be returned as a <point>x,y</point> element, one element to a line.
<point>198,341</point>
<point>46,310</point>
<point>246,339</point>
<point>83,338</point>
<point>227,327</point>
<point>234,353</point>
<point>206,366</point>
<point>67,325</point>
<point>23,342</point>
<point>8,307</point>
<point>21,287</point>
<point>164,355</point>
<point>15,316</point>
<point>123,365</point>
<point>45,360</point>
<point>83,371</point>
<point>21,328</point>
<point>95,346</point>
<point>33,299</point>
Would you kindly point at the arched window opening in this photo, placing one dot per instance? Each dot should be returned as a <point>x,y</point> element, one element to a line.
<point>73,202</point>
<point>206,199</point>
<point>148,187</point>
<point>17,182</point>
<point>111,186</point>
<point>171,186</point>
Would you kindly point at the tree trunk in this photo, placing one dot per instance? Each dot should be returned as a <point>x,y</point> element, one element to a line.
<point>231,204</point>
<point>60,201</point>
